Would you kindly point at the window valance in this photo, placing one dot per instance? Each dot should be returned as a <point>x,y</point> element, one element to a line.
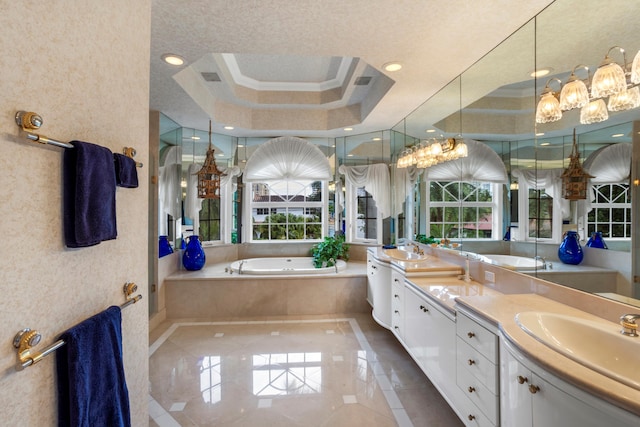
<point>375,180</point>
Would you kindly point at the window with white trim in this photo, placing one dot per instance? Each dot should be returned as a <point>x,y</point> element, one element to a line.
<point>287,210</point>
<point>464,209</point>
<point>611,211</point>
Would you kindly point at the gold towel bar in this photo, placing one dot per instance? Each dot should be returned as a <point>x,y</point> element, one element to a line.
<point>27,338</point>
<point>30,121</point>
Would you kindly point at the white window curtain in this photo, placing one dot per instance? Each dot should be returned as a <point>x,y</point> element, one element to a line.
<point>375,180</point>
<point>404,181</point>
<point>169,190</point>
<point>608,165</point>
<point>482,164</point>
<point>287,158</point>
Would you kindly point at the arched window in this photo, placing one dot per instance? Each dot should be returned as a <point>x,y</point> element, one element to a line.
<point>286,191</point>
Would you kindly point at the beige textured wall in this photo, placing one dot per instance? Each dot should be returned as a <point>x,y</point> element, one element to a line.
<point>83,66</point>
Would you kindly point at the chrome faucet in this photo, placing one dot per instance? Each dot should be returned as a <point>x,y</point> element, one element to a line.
<point>416,249</point>
<point>543,259</point>
<point>629,325</point>
<point>240,266</point>
<point>335,264</point>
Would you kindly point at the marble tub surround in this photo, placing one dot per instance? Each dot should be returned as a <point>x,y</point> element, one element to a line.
<point>214,293</point>
<point>500,310</point>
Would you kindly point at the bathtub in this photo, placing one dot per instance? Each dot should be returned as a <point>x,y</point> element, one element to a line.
<point>514,262</point>
<point>283,265</point>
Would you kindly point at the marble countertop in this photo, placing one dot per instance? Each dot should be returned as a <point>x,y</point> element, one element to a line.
<point>445,290</point>
<point>430,264</point>
<point>501,310</point>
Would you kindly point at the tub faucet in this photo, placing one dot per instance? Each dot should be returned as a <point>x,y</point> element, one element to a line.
<point>240,266</point>
<point>335,264</point>
<point>543,259</point>
<point>629,325</point>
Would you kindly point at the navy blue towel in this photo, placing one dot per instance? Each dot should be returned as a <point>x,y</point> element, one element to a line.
<point>92,391</point>
<point>126,171</point>
<point>89,195</point>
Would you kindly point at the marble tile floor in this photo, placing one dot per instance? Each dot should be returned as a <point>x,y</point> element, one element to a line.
<point>288,371</point>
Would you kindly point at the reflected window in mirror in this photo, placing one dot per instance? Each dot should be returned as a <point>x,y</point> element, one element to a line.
<point>363,219</point>
<point>611,211</point>
<point>464,209</point>
<point>539,214</point>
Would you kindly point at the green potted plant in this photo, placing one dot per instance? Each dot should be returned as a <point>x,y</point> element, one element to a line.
<point>327,252</point>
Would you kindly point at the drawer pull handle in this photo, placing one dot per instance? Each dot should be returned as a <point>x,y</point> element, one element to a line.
<point>533,389</point>
<point>471,362</point>
<point>423,308</point>
<point>471,389</point>
<point>522,380</point>
<point>374,267</point>
<point>471,334</point>
<point>471,417</point>
<point>396,312</point>
<point>396,327</point>
<point>396,296</point>
<point>396,280</point>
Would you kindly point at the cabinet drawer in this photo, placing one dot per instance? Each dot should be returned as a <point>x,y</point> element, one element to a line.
<point>480,395</point>
<point>479,366</point>
<point>472,416</point>
<point>478,337</point>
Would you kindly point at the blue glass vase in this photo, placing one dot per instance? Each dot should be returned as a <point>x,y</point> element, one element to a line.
<point>164,247</point>
<point>570,251</point>
<point>193,257</point>
<point>596,241</point>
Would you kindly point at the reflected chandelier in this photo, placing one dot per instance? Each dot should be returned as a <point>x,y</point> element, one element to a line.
<point>618,82</point>
<point>209,176</point>
<point>431,152</point>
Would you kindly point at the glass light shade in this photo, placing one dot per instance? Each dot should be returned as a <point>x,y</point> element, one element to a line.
<point>548,109</point>
<point>635,69</point>
<point>625,100</point>
<point>461,149</point>
<point>594,112</point>
<point>608,80</point>
<point>574,94</point>
<point>436,149</point>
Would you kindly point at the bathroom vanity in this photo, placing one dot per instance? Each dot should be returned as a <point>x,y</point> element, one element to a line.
<point>465,338</point>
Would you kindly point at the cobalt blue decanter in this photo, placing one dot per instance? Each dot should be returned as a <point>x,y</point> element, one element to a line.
<point>164,247</point>
<point>570,251</point>
<point>193,257</point>
<point>596,241</point>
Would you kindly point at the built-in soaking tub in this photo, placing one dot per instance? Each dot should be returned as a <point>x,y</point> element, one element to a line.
<point>283,265</point>
<point>514,262</point>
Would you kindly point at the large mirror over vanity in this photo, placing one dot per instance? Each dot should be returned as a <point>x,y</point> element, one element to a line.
<point>505,198</point>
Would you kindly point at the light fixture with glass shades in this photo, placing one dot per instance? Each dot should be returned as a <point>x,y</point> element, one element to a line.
<point>617,82</point>
<point>431,152</point>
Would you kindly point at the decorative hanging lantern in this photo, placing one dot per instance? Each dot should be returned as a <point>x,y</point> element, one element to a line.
<point>574,178</point>
<point>209,176</point>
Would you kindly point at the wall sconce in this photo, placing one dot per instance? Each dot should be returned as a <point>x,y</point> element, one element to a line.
<point>548,107</point>
<point>619,83</point>
<point>428,154</point>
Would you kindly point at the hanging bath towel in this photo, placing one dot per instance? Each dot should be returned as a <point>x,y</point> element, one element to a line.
<point>92,390</point>
<point>126,171</point>
<point>89,195</point>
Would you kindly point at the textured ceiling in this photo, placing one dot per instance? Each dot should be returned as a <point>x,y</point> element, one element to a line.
<point>284,75</point>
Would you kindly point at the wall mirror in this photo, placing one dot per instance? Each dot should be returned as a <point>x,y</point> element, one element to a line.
<point>495,101</point>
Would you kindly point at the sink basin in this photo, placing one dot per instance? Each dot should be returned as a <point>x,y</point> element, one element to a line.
<point>403,253</point>
<point>597,345</point>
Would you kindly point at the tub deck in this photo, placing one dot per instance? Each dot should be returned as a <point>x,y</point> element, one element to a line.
<point>214,293</point>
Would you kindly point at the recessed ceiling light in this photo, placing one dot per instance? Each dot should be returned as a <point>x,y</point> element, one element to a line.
<point>348,129</point>
<point>333,146</point>
<point>240,145</point>
<point>392,66</point>
<point>541,72</point>
<point>376,139</point>
<point>173,59</point>
<point>545,143</point>
<point>221,155</point>
<point>430,130</point>
<point>539,133</point>
<point>195,138</point>
<point>229,127</point>
<point>349,155</point>
<point>617,135</point>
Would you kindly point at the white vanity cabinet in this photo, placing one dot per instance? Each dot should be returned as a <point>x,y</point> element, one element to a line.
<point>429,336</point>
<point>477,362</point>
<point>378,289</point>
<point>396,296</point>
<point>531,397</point>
